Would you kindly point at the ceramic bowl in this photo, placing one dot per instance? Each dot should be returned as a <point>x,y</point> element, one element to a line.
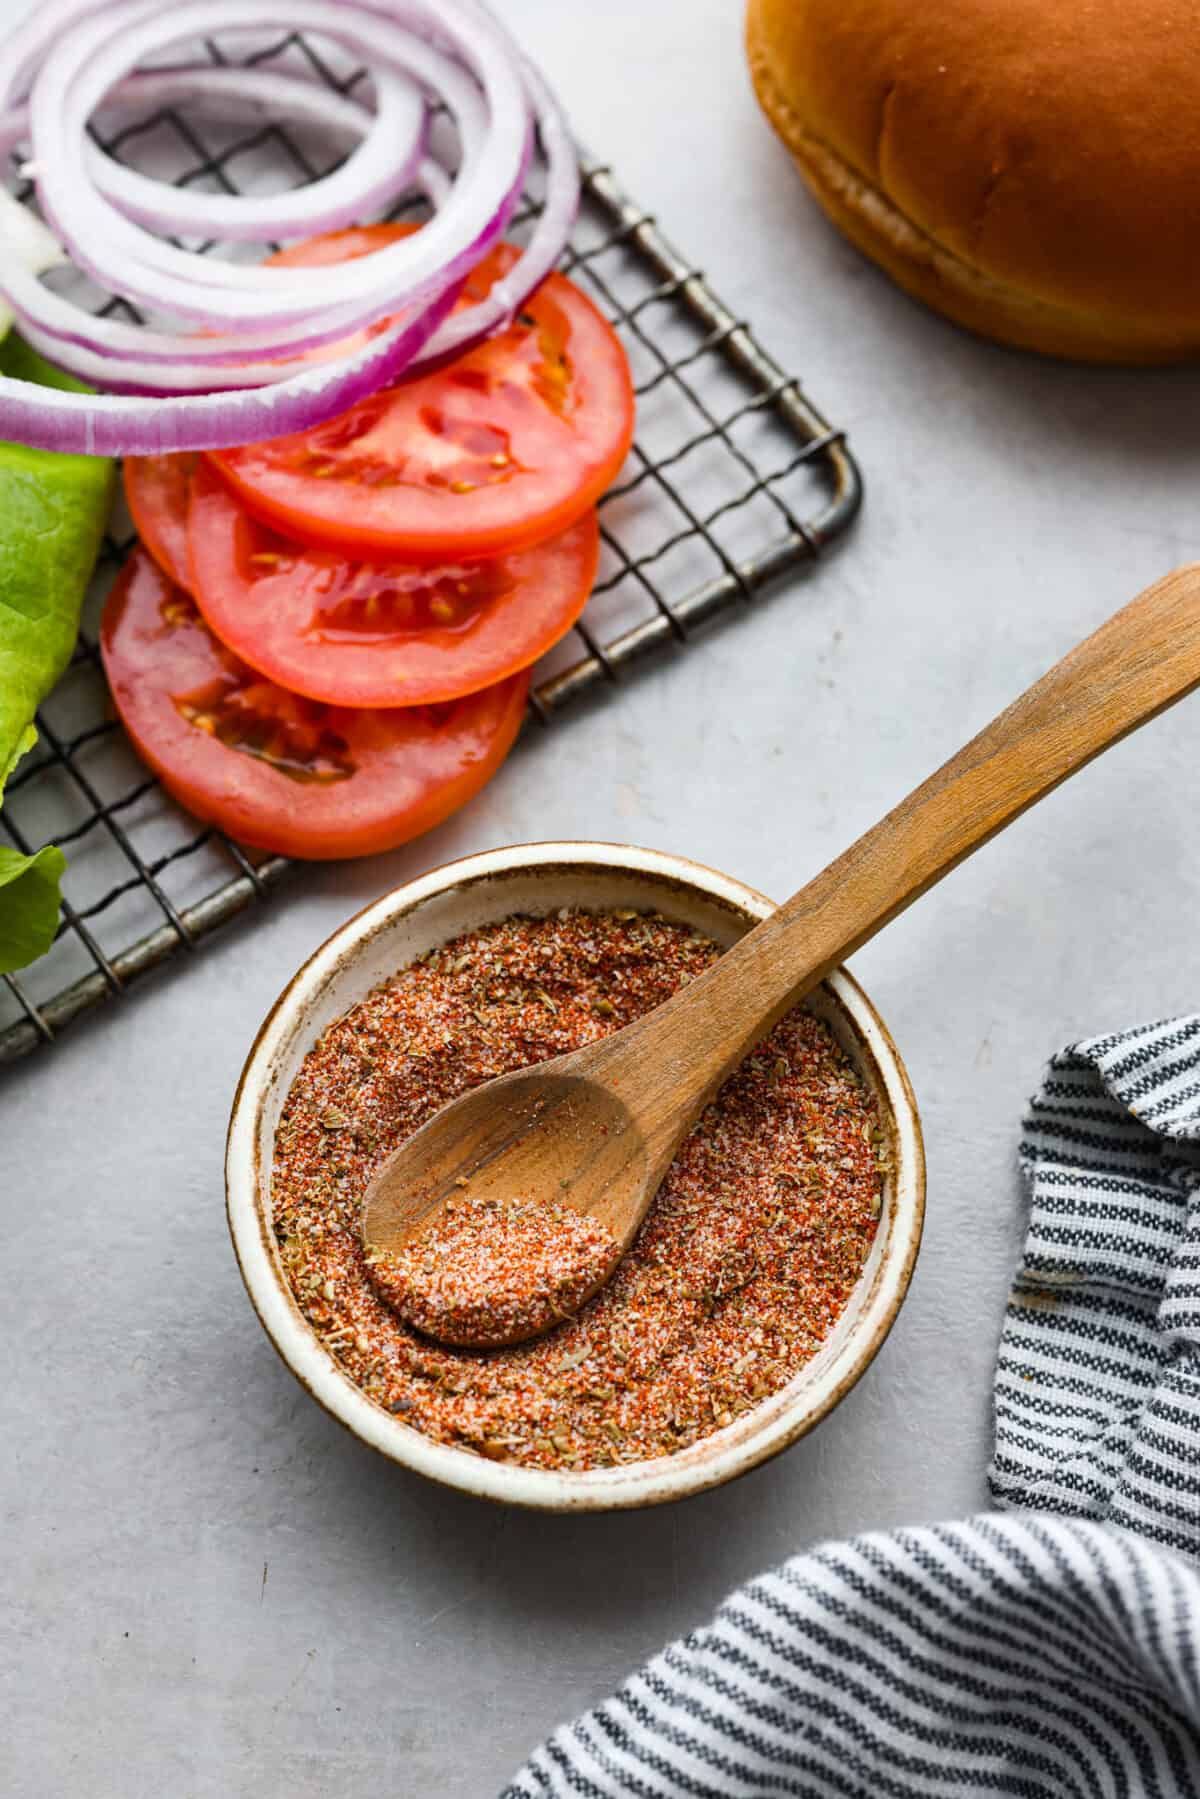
<point>537,879</point>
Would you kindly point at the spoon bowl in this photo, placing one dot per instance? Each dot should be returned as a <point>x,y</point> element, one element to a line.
<point>542,1131</point>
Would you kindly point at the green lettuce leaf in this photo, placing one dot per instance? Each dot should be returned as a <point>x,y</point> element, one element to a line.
<point>30,897</point>
<point>23,744</point>
<point>53,509</point>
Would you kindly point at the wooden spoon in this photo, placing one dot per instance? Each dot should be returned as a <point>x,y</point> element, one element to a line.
<point>599,1127</point>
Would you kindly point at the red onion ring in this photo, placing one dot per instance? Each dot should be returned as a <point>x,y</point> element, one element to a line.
<point>120,425</point>
<point>545,246</point>
<point>378,171</point>
<point>119,255</point>
<point>75,57</point>
<point>230,93</point>
<point>130,375</point>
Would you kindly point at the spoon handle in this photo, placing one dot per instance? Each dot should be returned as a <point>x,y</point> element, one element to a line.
<point>1145,658</point>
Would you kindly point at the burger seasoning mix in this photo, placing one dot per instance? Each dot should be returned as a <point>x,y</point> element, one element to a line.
<point>742,1267</point>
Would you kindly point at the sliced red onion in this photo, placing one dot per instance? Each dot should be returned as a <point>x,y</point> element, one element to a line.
<point>98,349</point>
<point>73,58</point>
<point>130,376</point>
<point>479,145</point>
<point>148,377</point>
<point>377,172</point>
<point>24,239</point>
<point>559,210</point>
<point>26,244</point>
<point>433,181</point>
<point>119,425</point>
<point>127,375</point>
<point>117,254</point>
<point>232,95</point>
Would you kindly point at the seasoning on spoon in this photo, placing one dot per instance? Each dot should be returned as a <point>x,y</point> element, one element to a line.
<point>490,1270</point>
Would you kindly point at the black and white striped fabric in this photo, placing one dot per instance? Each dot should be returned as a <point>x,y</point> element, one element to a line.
<point>1098,1375</point>
<point>1042,1657</point>
<point>1039,1658</point>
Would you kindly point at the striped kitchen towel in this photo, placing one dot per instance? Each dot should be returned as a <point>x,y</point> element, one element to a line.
<point>1098,1375</point>
<point>1038,1657</point>
<point>1010,1655</point>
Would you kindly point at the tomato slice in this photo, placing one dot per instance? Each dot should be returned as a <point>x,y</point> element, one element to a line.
<point>379,633</point>
<point>156,488</point>
<point>271,769</point>
<point>504,446</point>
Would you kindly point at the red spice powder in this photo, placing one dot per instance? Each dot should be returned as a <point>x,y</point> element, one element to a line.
<point>744,1262</point>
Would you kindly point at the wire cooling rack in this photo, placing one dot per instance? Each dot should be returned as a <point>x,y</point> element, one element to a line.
<point>734,480</point>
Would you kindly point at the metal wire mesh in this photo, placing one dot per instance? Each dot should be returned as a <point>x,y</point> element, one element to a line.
<point>734,480</point>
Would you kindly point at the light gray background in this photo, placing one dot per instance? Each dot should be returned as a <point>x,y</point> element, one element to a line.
<point>212,1590</point>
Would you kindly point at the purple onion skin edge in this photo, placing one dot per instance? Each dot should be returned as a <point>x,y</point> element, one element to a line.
<point>103,425</point>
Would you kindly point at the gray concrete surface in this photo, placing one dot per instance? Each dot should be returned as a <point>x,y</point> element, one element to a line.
<point>210,1590</point>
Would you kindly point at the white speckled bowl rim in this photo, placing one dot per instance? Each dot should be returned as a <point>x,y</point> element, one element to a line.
<point>539,878</point>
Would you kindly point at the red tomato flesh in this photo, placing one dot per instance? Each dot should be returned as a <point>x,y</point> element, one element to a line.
<point>156,489</point>
<point>271,769</point>
<point>390,633</point>
<point>502,447</point>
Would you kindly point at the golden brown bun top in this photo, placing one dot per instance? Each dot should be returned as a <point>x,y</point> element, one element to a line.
<point>1053,144</point>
